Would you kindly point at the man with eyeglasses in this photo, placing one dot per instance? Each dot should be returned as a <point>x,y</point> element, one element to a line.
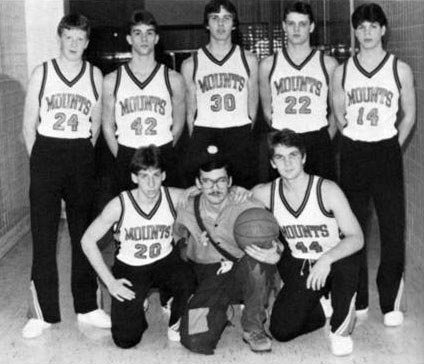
<point>224,273</point>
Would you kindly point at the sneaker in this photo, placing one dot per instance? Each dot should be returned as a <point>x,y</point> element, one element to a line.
<point>326,306</point>
<point>174,332</point>
<point>166,308</point>
<point>34,327</point>
<point>97,318</point>
<point>362,313</point>
<point>258,341</point>
<point>341,345</point>
<point>393,318</point>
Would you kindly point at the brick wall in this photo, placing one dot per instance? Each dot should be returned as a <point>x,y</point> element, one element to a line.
<point>406,34</point>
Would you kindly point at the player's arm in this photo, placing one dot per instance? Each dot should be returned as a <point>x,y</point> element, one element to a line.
<point>338,98</point>
<point>330,66</point>
<point>252,86</point>
<point>178,104</point>
<point>407,101</point>
<point>96,113</point>
<point>108,112</point>
<point>187,69</point>
<point>352,241</point>
<point>265,87</point>
<point>32,108</point>
<point>118,288</point>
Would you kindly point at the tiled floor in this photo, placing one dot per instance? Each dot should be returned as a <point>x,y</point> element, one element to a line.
<point>69,343</point>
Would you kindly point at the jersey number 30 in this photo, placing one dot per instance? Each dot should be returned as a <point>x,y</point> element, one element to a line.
<point>227,101</point>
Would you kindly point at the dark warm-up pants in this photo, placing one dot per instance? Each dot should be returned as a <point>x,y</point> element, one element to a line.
<point>170,273</point>
<point>374,170</point>
<point>297,310</point>
<point>206,316</point>
<point>60,168</point>
<point>236,145</point>
<point>123,161</point>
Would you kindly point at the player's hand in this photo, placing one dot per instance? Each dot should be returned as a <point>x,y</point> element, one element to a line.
<point>119,289</point>
<point>239,194</point>
<point>270,255</point>
<point>185,196</point>
<point>318,274</point>
<point>204,240</point>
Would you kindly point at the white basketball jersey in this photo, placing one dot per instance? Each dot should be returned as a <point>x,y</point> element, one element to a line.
<point>145,237</point>
<point>299,92</point>
<point>143,110</point>
<point>371,100</point>
<point>66,105</point>
<point>310,230</point>
<point>221,89</point>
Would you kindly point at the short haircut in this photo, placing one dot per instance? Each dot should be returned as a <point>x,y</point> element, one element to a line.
<point>145,158</point>
<point>74,21</point>
<point>301,8</point>
<point>142,17</point>
<point>214,6</point>
<point>212,162</point>
<point>370,12</point>
<point>286,137</point>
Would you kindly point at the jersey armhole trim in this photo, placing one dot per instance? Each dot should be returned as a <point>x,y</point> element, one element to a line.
<point>118,225</point>
<point>93,84</point>
<point>271,197</point>
<point>319,199</point>
<point>344,74</point>
<point>167,82</point>
<point>396,73</point>
<point>195,65</point>
<point>274,64</point>
<point>244,60</point>
<point>324,69</point>
<point>118,81</point>
<point>43,83</point>
<point>170,203</point>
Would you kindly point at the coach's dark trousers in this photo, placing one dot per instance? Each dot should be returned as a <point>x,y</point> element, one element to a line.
<point>374,170</point>
<point>60,168</point>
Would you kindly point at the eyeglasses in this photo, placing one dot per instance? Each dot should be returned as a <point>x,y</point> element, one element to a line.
<point>209,183</point>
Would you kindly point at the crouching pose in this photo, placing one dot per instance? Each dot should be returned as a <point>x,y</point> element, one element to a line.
<point>224,273</point>
<point>322,235</point>
<point>146,257</point>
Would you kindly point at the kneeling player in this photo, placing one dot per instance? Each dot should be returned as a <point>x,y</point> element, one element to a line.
<point>144,219</point>
<point>322,235</point>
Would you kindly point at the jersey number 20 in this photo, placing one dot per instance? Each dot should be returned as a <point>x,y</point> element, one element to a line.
<point>152,251</point>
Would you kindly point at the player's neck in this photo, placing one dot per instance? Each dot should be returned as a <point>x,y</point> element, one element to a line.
<point>296,185</point>
<point>69,65</point>
<point>213,210</point>
<point>219,49</point>
<point>143,200</point>
<point>143,64</point>
<point>371,56</point>
<point>298,52</point>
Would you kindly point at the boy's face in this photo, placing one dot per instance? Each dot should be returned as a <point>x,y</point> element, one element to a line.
<point>73,43</point>
<point>288,161</point>
<point>149,181</point>
<point>220,25</point>
<point>369,34</point>
<point>298,28</point>
<point>143,39</point>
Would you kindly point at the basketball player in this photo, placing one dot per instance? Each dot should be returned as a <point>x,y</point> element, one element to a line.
<point>224,273</point>
<point>61,124</point>
<point>294,88</point>
<point>222,95</point>
<point>322,235</point>
<point>143,218</point>
<point>368,89</point>
<point>143,102</point>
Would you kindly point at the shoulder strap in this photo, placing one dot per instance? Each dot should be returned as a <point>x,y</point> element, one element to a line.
<point>223,252</point>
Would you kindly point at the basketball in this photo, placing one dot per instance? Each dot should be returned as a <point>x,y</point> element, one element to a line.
<point>255,226</point>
